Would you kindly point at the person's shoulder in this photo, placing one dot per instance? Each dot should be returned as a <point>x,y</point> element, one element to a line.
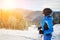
<point>50,17</point>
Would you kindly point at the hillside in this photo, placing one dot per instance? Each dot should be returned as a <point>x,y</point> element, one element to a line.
<point>22,18</point>
<point>13,19</point>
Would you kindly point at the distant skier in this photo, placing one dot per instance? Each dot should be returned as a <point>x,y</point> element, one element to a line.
<point>47,24</point>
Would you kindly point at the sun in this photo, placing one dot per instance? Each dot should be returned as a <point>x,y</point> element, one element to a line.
<point>8,4</point>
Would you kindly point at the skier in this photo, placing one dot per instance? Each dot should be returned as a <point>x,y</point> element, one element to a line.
<point>47,24</point>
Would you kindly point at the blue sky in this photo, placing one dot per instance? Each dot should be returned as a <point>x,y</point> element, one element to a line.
<point>36,4</point>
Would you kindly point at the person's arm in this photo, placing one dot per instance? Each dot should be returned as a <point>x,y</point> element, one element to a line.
<point>46,26</point>
<point>40,31</point>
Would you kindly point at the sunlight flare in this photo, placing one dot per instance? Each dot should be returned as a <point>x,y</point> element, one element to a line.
<point>8,4</point>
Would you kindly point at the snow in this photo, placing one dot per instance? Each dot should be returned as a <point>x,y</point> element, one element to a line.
<point>56,33</point>
<point>30,34</point>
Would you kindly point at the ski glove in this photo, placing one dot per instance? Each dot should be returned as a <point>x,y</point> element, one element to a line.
<point>39,28</point>
<point>41,32</point>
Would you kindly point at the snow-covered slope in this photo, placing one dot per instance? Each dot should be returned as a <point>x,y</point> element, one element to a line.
<point>30,34</point>
<point>56,33</point>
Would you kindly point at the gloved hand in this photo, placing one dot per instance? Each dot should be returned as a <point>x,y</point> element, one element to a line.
<point>39,28</point>
<point>40,32</point>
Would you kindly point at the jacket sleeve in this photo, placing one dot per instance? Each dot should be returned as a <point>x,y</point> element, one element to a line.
<point>45,26</point>
<point>49,23</point>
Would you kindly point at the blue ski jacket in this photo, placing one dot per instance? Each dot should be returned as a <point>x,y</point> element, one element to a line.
<point>49,21</point>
